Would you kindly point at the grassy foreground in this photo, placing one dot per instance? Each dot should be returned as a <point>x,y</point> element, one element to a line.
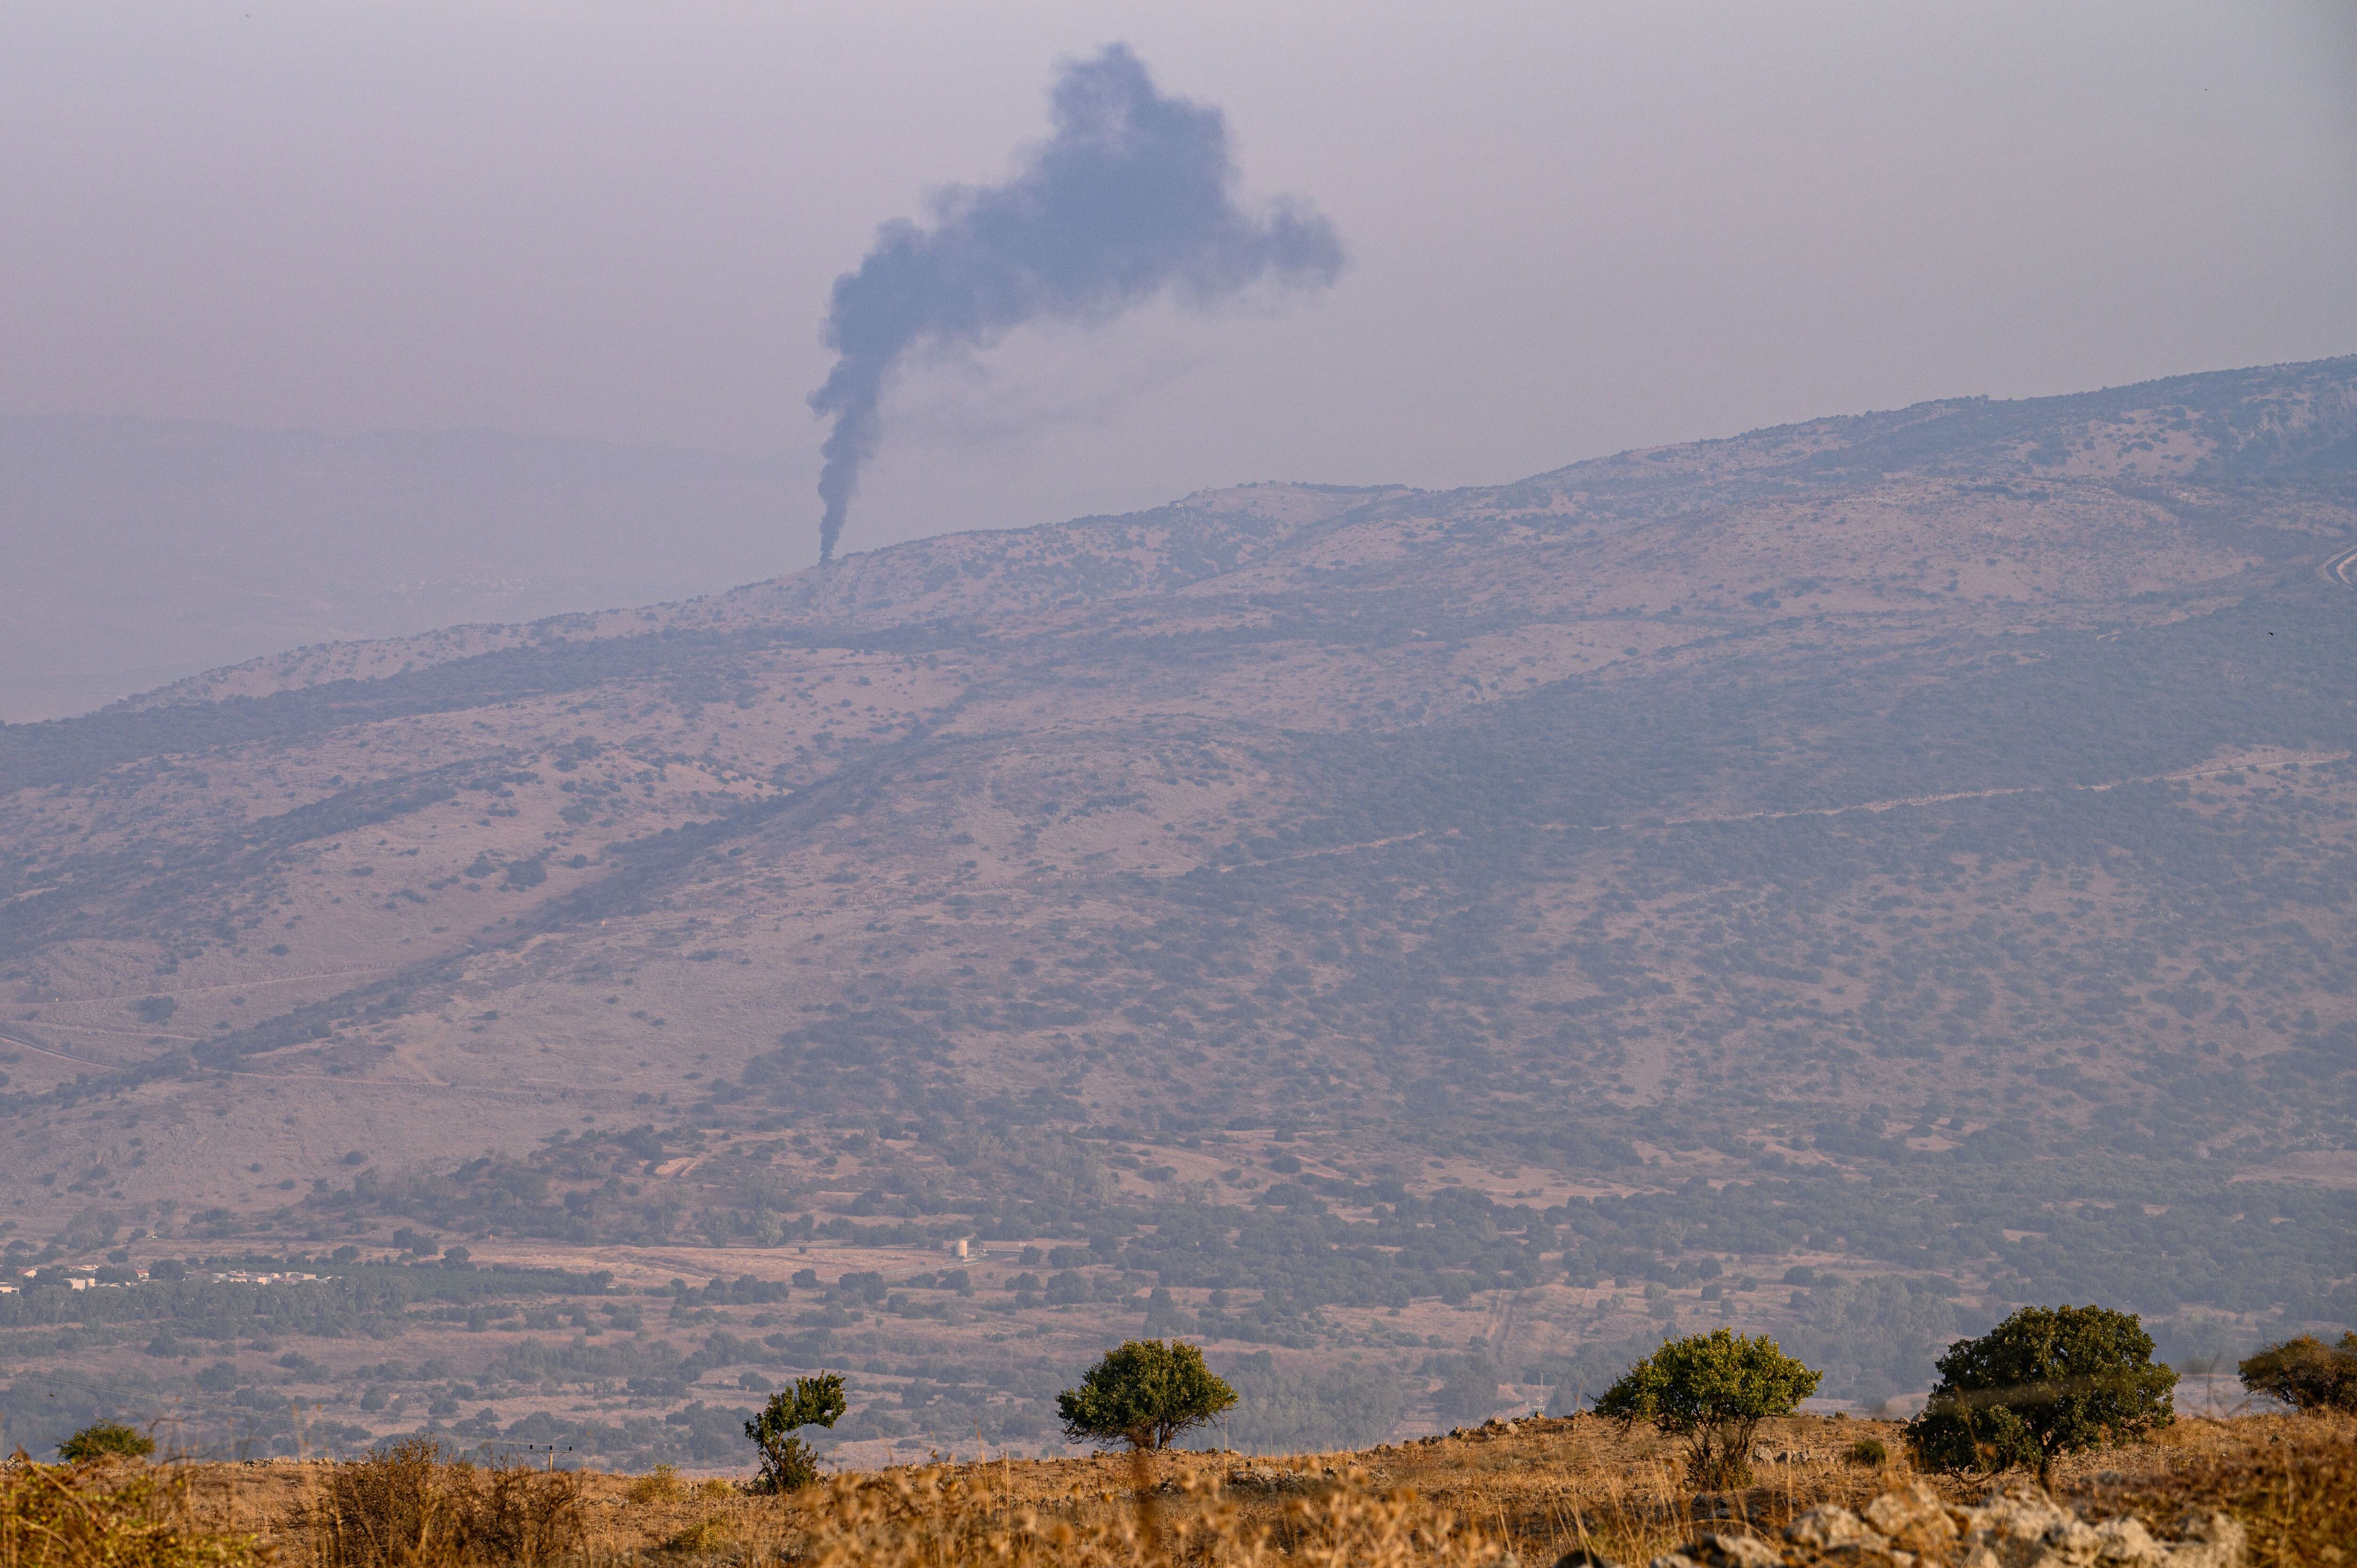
<point>1526,1493</point>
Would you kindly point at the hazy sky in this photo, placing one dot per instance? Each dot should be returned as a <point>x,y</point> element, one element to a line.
<point>1571,226</point>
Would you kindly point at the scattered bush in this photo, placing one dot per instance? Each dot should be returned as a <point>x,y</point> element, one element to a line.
<point>660,1484</point>
<point>2306,1373</point>
<point>105,1440</point>
<point>2045,1383</point>
<point>704,1539</point>
<point>1712,1390</point>
<point>1869,1452</point>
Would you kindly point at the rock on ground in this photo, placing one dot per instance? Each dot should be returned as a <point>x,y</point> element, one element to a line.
<point>1913,1528</point>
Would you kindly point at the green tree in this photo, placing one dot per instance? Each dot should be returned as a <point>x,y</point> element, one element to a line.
<point>106,1440</point>
<point>2045,1383</point>
<point>787,1462</point>
<point>2306,1373</point>
<point>1144,1393</point>
<point>1713,1391</point>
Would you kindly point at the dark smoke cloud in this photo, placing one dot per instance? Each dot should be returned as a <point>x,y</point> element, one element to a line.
<point>1132,195</point>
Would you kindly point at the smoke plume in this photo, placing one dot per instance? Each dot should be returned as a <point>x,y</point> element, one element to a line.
<point>1133,194</point>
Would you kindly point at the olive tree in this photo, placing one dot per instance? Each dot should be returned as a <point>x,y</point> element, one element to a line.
<point>2045,1383</point>
<point>1713,1391</point>
<point>787,1462</point>
<point>1144,1393</point>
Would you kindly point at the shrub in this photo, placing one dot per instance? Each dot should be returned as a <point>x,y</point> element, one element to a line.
<point>660,1484</point>
<point>1869,1452</point>
<point>1712,1390</point>
<point>2306,1373</point>
<point>52,1519</point>
<point>2045,1383</point>
<point>704,1539</point>
<point>787,1462</point>
<point>1144,1393</point>
<point>513,1513</point>
<point>106,1440</point>
<point>406,1506</point>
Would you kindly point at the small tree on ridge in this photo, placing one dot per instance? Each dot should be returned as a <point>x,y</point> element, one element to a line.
<point>2046,1382</point>
<point>1712,1390</point>
<point>2306,1373</point>
<point>787,1462</point>
<point>1144,1393</point>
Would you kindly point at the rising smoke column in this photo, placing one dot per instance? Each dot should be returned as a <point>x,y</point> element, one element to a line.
<point>1134,193</point>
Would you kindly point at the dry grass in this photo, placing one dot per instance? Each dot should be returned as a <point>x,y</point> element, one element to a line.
<point>410,1507</point>
<point>1535,1490</point>
<point>122,1516</point>
<point>944,1518</point>
<point>2291,1479</point>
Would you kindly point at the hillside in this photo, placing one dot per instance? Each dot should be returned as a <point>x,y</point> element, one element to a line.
<point>1845,878</point>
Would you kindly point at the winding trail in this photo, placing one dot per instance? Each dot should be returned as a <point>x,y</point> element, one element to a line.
<point>2236,765</point>
<point>19,1041</point>
<point>2269,759</point>
<point>344,1080</point>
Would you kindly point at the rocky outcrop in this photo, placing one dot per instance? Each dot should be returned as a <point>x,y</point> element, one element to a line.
<point>1269,1479</point>
<point>1913,1528</point>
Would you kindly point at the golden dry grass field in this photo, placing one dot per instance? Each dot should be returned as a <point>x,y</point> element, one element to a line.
<point>1527,1493</point>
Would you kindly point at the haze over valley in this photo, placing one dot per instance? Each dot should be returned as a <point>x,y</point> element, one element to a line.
<point>143,551</point>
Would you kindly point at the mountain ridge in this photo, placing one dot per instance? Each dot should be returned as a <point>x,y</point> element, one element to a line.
<point>2305,417</point>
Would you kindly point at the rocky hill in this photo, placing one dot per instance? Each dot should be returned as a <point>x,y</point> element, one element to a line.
<point>1851,875</point>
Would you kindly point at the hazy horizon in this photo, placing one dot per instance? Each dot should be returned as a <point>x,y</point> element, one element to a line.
<point>1568,231</point>
<point>312,538</point>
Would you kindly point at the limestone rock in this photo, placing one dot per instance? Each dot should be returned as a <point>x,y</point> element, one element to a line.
<point>1875,1553</point>
<point>2018,1528</point>
<point>1828,1526</point>
<point>2127,1543</point>
<point>1732,1552</point>
<point>2211,1539</point>
<point>1746,1551</point>
<point>1914,1519</point>
<point>1722,1552</point>
<point>1267,1478</point>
